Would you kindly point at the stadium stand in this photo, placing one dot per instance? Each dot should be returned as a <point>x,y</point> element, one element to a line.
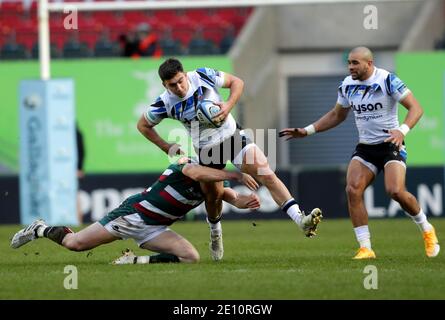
<point>177,26</point>
<point>169,45</point>
<point>104,47</point>
<point>11,49</point>
<point>199,45</point>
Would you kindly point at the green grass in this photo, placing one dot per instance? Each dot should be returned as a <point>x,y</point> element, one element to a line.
<point>271,260</point>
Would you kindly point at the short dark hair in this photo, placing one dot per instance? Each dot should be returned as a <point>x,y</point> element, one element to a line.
<point>170,68</point>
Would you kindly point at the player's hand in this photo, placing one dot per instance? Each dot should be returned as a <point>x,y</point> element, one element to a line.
<point>174,149</point>
<point>251,201</point>
<point>396,138</point>
<point>290,133</point>
<point>223,113</point>
<point>248,181</point>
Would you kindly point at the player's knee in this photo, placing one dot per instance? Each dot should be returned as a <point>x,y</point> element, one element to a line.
<point>194,257</point>
<point>267,180</point>
<point>395,193</point>
<point>191,256</point>
<point>354,191</point>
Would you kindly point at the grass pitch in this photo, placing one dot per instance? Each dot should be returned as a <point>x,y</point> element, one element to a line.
<point>272,260</point>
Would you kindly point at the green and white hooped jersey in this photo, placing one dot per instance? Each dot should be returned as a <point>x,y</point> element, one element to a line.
<point>169,198</point>
<point>374,102</point>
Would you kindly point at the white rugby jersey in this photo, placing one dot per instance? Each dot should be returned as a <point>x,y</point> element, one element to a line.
<point>374,102</point>
<point>203,84</point>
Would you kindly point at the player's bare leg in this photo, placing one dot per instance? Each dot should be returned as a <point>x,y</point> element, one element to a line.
<point>395,187</point>
<point>395,174</point>
<point>214,193</point>
<point>88,238</point>
<point>358,178</point>
<point>256,164</point>
<point>171,246</point>
<point>92,236</point>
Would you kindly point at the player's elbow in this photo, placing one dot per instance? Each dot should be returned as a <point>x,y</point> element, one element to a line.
<point>140,125</point>
<point>191,171</point>
<point>340,117</point>
<point>240,82</point>
<point>420,112</point>
<point>143,125</point>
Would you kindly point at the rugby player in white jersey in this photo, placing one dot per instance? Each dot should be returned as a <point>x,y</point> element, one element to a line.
<point>184,90</point>
<point>373,93</point>
<point>145,216</point>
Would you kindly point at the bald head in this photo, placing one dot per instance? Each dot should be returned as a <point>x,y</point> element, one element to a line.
<point>360,63</point>
<point>363,52</point>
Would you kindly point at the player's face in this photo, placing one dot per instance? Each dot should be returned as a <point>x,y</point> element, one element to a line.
<point>178,85</point>
<point>358,67</point>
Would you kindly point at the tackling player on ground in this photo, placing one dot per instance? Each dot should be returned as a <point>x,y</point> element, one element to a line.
<point>145,217</point>
<point>373,93</point>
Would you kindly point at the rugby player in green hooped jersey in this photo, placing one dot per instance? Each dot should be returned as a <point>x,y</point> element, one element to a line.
<point>145,216</point>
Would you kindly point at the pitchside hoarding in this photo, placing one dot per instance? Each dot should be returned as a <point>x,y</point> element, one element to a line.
<point>325,189</point>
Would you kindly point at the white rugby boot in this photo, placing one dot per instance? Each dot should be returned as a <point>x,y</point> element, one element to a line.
<point>216,245</point>
<point>27,234</point>
<point>128,257</point>
<point>310,222</point>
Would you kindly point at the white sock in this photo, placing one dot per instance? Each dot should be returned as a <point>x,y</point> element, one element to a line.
<point>40,231</point>
<point>363,236</point>
<point>293,210</point>
<point>215,227</point>
<point>143,259</point>
<point>421,220</point>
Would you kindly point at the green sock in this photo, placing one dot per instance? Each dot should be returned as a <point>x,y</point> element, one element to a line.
<point>56,234</point>
<point>163,258</point>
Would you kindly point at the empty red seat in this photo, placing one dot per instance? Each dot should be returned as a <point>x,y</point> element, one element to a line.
<point>11,7</point>
<point>27,39</point>
<point>196,14</point>
<point>89,38</point>
<point>166,16</point>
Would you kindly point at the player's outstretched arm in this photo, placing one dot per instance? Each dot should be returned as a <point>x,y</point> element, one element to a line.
<point>330,120</point>
<point>206,174</point>
<point>148,131</point>
<point>241,201</point>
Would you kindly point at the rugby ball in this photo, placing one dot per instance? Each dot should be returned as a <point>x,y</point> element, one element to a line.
<point>206,110</point>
